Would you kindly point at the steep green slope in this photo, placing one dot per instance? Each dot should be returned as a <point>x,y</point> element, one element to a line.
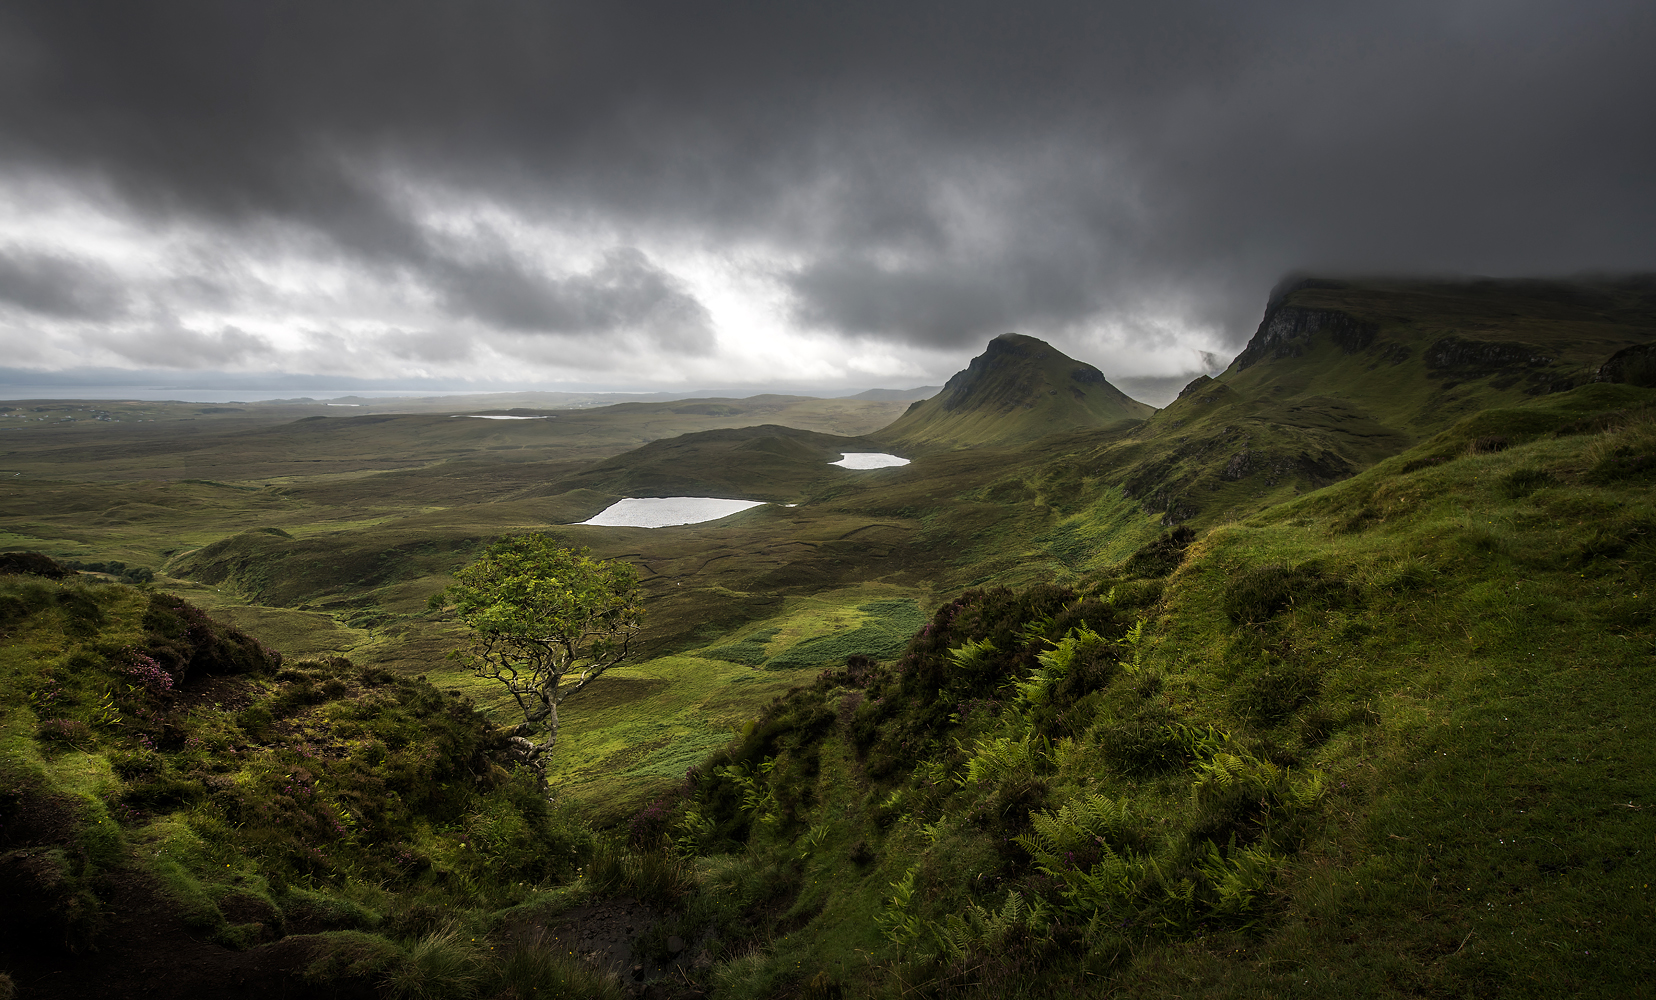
<point>1387,739</point>
<point>1342,374</point>
<point>1019,389</point>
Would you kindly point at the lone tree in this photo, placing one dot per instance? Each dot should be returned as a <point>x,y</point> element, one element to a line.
<point>538,613</point>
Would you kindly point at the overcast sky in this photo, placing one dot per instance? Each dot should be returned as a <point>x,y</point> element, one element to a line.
<point>680,194</point>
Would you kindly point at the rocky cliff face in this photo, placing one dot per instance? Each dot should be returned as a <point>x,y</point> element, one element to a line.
<point>1634,365</point>
<point>1287,331</point>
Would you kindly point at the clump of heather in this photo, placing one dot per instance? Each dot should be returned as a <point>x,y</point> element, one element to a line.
<point>146,671</point>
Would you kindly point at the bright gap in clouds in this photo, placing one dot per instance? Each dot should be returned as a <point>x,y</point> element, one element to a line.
<point>275,298</point>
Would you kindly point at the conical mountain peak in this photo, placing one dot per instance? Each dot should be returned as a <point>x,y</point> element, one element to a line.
<point>1020,388</point>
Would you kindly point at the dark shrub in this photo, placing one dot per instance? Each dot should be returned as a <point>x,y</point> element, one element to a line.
<point>162,793</point>
<point>1161,556</point>
<point>32,563</point>
<point>82,616</point>
<point>861,854</point>
<point>185,639</point>
<point>21,602</point>
<point>648,828</point>
<point>66,732</point>
<point>1007,809</point>
<point>1270,696</point>
<point>1141,746</point>
<point>1614,539</point>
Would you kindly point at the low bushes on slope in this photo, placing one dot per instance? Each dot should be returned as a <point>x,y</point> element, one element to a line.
<point>1384,740</point>
<point>150,752</point>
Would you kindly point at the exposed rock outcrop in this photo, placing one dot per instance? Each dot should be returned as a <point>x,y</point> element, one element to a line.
<point>1288,331</point>
<point>1634,365</point>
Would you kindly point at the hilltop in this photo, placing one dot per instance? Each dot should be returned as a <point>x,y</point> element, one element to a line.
<point>1017,390</point>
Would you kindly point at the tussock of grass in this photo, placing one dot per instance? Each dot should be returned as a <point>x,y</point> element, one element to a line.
<point>883,633</point>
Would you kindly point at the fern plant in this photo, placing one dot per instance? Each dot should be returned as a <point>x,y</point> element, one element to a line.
<point>982,930</point>
<point>1224,773</point>
<point>973,656</point>
<point>1055,664</point>
<point>1134,638</point>
<point>993,759</point>
<point>1239,876</point>
<point>1081,827</point>
<point>758,800</point>
<point>896,921</point>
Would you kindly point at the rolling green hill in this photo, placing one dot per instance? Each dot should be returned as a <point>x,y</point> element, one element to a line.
<point>766,462</point>
<point>1017,390</point>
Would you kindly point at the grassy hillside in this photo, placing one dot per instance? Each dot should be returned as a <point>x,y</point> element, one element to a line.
<point>1387,739</point>
<point>172,792</point>
<point>1017,390</point>
<point>766,462</point>
<point>1342,374</point>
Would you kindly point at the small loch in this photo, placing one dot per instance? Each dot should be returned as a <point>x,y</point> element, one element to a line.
<point>664,512</point>
<point>869,460</point>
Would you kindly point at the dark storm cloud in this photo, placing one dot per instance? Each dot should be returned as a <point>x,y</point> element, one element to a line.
<point>625,292</point>
<point>59,286</point>
<point>942,304</point>
<point>1103,157</point>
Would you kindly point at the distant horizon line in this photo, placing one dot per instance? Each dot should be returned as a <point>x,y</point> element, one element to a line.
<point>1155,390</point>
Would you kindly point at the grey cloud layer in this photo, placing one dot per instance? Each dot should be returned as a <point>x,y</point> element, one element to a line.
<point>625,292</point>
<point>58,286</point>
<point>934,171</point>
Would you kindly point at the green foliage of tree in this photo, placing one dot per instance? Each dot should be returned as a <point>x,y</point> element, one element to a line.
<point>536,614</point>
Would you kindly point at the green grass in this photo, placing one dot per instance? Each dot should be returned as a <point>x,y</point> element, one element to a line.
<point>633,735</point>
<point>316,793</point>
<point>1458,795</point>
<point>882,634</point>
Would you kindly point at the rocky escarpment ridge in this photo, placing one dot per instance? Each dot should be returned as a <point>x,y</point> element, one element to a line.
<point>1288,331</point>
<point>1634,365</point>
<point>1505,363</point>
